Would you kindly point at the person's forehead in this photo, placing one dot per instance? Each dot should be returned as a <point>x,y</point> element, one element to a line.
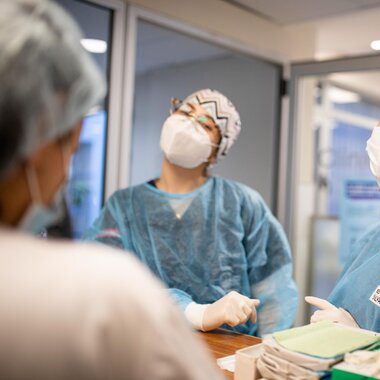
<point>200,111</point>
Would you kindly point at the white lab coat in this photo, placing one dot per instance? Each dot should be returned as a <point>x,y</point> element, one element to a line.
<point>80,311</point>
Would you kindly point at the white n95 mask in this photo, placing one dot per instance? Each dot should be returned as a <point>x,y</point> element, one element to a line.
<point>184,142</point>
<point>373,150</point>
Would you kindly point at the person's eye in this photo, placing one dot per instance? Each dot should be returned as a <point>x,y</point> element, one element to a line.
<point>202,120</point>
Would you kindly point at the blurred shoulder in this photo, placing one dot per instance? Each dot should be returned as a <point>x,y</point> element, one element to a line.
<point>65,295</point>
<point>371,233</point>
<point>79,263</point>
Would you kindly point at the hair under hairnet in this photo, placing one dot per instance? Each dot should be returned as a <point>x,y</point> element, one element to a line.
<point>47,80</point>
<point>224,114</point>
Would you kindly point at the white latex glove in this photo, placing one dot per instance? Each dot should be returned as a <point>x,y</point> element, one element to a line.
<point>329,312</point>
<point>232,309</point>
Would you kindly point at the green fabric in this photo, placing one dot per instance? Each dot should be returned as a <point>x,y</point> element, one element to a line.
<point>324,339</point>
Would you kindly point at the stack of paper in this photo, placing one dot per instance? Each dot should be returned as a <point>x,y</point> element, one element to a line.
<point>310,351</point>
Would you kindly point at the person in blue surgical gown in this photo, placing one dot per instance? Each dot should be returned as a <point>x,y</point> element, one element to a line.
<point>212,241</point>
<point>355,300</point>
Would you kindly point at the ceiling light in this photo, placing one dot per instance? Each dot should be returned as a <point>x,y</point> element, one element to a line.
<point>94,46</point>
<point>338,95</point>
<point>375,45</point>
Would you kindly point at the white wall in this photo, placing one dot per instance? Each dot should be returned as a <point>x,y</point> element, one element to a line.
<point>263,37</point>
<point>346,35</point>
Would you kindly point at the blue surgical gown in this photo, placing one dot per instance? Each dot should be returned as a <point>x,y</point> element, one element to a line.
<point>206,243</point>
<point>358,289</point>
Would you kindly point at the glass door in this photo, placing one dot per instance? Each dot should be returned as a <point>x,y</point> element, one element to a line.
<point>332,198</point>
<point>86,185</point>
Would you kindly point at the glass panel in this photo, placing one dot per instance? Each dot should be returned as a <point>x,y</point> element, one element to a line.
<point>85,187</point>
<point>325,265</point>
<point>86,182</point>
<point>338,198</point>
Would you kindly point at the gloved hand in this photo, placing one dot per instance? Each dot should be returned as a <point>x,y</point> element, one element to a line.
<point>232,309</point>
<point>329,312</point>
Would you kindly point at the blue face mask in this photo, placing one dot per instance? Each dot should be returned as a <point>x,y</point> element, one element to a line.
<point>38,216</point>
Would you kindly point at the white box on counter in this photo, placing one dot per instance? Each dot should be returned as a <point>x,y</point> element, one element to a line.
<point>245,362</point>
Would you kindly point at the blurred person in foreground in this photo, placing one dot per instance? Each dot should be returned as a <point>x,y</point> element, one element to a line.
<point>67,311</point>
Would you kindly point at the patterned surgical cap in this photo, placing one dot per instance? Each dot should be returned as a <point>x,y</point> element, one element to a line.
<point>224,114</point>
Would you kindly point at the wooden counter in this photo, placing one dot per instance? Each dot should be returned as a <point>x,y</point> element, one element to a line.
<point>225,342</point>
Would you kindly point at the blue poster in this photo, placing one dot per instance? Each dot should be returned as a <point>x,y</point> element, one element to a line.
<point>359,211</point>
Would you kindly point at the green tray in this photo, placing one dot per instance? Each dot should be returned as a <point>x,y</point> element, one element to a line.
<point>338,374</point>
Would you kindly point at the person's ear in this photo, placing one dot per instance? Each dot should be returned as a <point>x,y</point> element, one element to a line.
<point>69,144</point>
<point>72,139</point>
<point>212,160</point>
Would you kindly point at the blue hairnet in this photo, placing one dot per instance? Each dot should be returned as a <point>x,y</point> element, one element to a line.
<point>204,244</point>
<point>48,81</point>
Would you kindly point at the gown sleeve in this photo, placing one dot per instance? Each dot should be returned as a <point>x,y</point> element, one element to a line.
<point>269,266</point>
<point>181,298</point>
<point>111,227</point>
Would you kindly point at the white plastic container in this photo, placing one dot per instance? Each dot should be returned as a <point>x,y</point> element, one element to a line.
<point>245,365</point>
